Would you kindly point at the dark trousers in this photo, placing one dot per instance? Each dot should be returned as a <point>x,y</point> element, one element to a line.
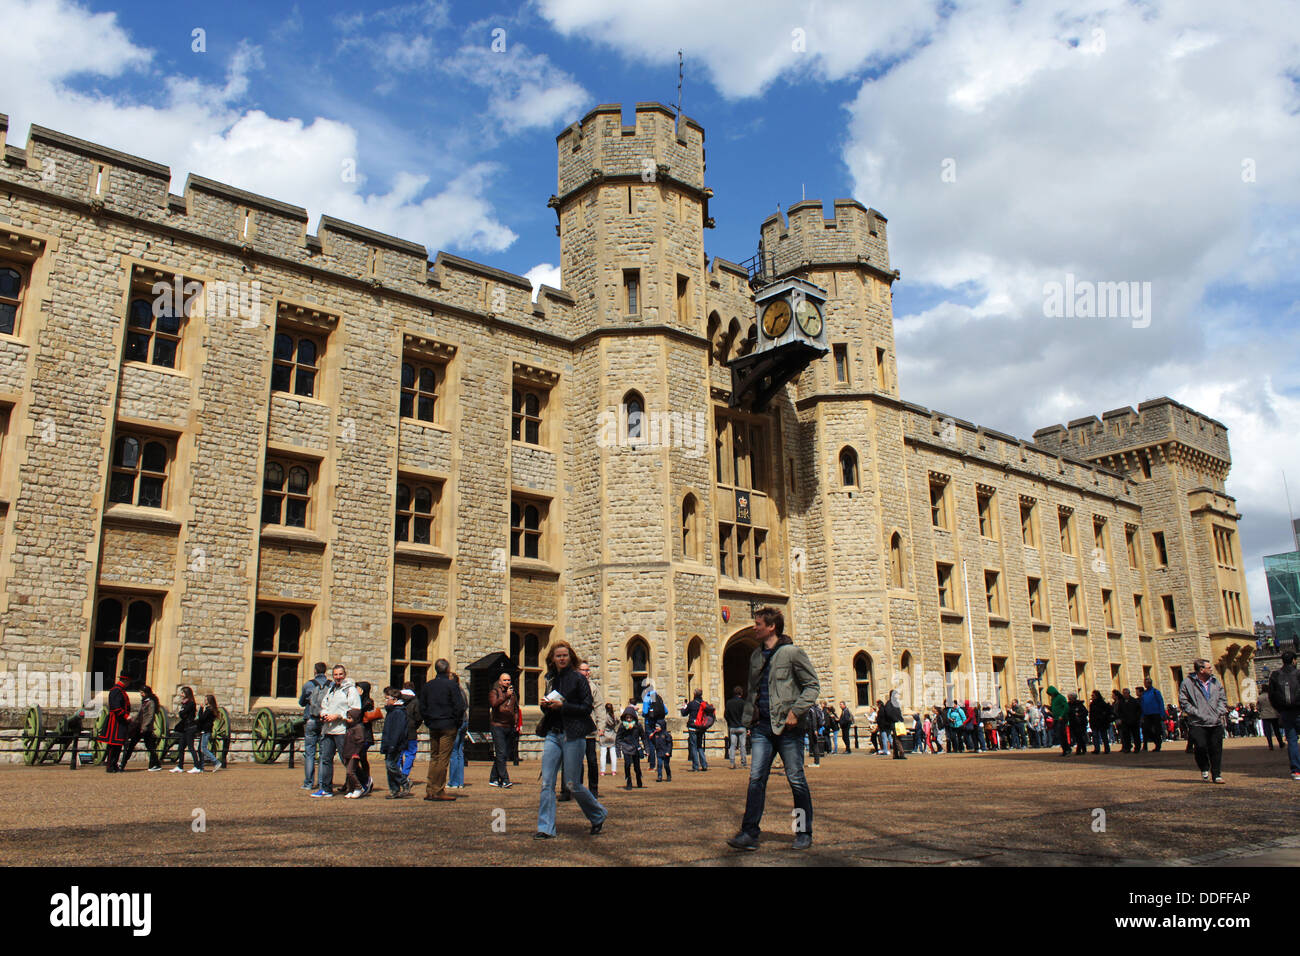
<point>151,741</point>
<point>1062,738</point>
<point>1207,743</point>
<point>1079,736</point>
<point>631,763</point>
<point>112,758</point>
<point>1152,730</point>
<point>664,770</point>
<point>1101,738</point>
<point>187,742</point>
<point>1128,734</point>
<point>1271,730</point>
<point>844,732</point>
<point>500,753</point>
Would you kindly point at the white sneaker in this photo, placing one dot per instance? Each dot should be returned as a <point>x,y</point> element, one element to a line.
<point>216,767</point>
<point>355,794</point>
<point>152,769</point>
<point>194,770</point>
<point>1205,775</point>
<point>176,770</point>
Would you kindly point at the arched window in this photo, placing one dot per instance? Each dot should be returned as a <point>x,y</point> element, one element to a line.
<point>296,362</point>
<point>420,388</point>
<point>905,691</point>
<point>690,530</point>
<point>277,652</point>
<point>123,636</point>
<point>896,576</point>
<point>286,494</point>
<point>153,341</point>
<point>526,424</point>
<point>634,415</point>
<point>415,514</point>
<point>750,340</point>
<point>412,647</point>
<point>694,666</point>
<point>862,678</point>
<point>526,653</point>
<point>714,327</point>
<point>139,471</point>
<point>849,468</point>
<point>525,530</point>
<point>638,666</point>
<point>729,340</point>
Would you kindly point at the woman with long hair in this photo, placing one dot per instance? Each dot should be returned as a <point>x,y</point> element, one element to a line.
<point>608,741</point>
<point>566,721</point>
<point>370,712</point>
<point>207,718</point>
<point>185,731</point>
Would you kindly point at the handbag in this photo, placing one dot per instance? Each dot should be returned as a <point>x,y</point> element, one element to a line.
<point>900,728</point>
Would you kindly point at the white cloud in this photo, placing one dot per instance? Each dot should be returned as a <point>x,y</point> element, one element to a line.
<point>524,90</point>
<point>743,49</point>
<point>199,127</point>
<point>543,274</point>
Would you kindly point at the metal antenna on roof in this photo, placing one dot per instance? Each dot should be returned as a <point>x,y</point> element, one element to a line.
<point>681,74</point>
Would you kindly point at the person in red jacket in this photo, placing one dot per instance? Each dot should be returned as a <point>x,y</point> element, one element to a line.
<point>119,716</point>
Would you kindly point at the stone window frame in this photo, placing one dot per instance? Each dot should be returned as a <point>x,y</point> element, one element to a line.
<point>633,299</point>
<point>941,511</point>
<point>520,504</point>
<point>414,484</point>
<point>288,463</point>
<point>986,506</point>
<point>1140,613</point>
<point>423,354</point>
<point>144,280</point>
<point>303,323</point>
<point>993,595</point>
<point>850,471</point>
<point>943,576</point>
<point>139,473</point>
<point>1131,546</point>
<point>1034,588</point>
<point>863,679</point>
<point>17,303</point>
<point>897,561</point>
<point>432,623</point>
<point>840,353</point>
<point>637,675</point>
<point>1108,614</point>
<point>1065,525</point>
<point>691,524</point>
<point>126,600</point>
<point>1160,547</point>
<point>1074,605</point>
<point>1029,522</point>
<point>539,383</point>
<point>278,611</point>
<point>635,430</point>
<point>293,364</point>
<point>531,676</point>
<point>695,666</point>
<point>726,529</point>
<point>683,301</point>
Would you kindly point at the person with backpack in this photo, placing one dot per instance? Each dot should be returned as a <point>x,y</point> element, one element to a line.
<point>782,686</point>
<point>699,714</point>
<point>1204,703</point>
<point>1284,695</point>
<point>309,700</point>
<point>1268,717</point>
<point>734,712</point>
<point>340,699</point>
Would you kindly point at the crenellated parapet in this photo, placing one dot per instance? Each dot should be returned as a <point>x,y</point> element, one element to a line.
<point>657,147</point>
<point>804,236</point>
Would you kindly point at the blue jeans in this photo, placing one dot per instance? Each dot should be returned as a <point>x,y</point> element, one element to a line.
<point>763,747</point>
<point>456,769</point>
<point>408,757</point>
<point>835,741</point>
<point>329,745</point>
<point>310,743</point>
<point>205,751</point>
<point>886,742</point>
<point>557,750</point>
<point>737,735</point>
<point>396,779</point>
<point>1288,720</point>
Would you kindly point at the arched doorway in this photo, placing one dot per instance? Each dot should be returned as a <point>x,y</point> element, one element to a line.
<point>735,661</point>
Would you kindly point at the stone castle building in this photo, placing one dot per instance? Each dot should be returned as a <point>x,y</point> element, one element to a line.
<point>232,448</point>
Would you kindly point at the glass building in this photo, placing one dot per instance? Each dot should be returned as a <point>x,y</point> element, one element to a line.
<point>1283,574</point>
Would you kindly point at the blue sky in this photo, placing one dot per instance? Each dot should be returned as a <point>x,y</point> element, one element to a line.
<point>1008,144</point>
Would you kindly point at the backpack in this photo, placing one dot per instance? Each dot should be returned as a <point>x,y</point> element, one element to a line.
<point>1284,688</point>
<point>313,702</point>
<point>657,709</point>
<point>956,718</point>
<point>704,717</point>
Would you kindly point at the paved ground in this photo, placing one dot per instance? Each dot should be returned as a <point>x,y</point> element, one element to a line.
<point>1033,808</point>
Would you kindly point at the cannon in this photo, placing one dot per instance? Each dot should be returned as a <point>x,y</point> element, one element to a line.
<point>273,735</point>
<point>39,741</point>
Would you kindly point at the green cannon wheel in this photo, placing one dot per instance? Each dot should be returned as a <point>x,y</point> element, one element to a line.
<point>33,734</point>
<point>221,735</point>
<point>97,746</point>
<point>264,736</point>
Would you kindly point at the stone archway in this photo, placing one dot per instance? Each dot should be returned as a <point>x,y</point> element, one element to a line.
<point>735,661</point>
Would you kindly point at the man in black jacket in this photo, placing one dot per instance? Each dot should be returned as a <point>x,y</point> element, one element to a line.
<point>846,723</point>
<point>734,711</point>
<point>1130,720</point>
<point>442,706</point>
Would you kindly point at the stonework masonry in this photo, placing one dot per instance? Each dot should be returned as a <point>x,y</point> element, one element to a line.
<point>365,446</point>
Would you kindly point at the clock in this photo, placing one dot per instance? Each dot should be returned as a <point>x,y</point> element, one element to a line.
<point>776,319</point>
<point>809,318</point>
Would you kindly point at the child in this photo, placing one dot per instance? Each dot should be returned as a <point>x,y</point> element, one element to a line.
<point>352,745</point>
<point>631,744</point>
<point>369,714</point>
<point>413,720</point>
<point>662,741</point>
<point>393,742</point>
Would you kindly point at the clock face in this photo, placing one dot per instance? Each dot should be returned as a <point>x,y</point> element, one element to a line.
<point>809,318</point>
<point>776,319</point>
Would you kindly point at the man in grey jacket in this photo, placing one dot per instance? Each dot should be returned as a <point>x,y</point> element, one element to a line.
<point>1204,705</point>
<point>782,686</point>
<point>341,695</point>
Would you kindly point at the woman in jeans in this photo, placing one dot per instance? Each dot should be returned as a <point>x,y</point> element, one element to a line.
<point>566,721</point>
<point>185,731</point>
<point>206,719</point>
<point>607,740</point>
